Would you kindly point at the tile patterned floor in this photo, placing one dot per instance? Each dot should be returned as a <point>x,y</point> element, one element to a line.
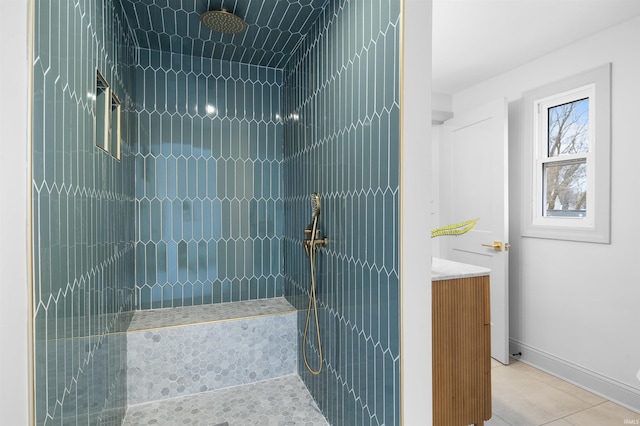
<point>522,396</point>
<point>278,402</point>
<point>189,315</point>
<point>525,396</point>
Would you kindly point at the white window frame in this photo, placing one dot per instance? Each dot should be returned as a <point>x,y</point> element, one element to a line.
<point>541,142</point>
<point>595,226</point>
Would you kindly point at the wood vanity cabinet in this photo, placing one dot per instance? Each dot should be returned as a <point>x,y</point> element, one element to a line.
<point>461,351</point>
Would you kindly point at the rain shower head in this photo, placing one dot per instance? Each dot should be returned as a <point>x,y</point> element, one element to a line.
<point>223,21</point>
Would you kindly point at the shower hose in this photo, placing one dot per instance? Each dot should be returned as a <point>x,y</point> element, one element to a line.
<point>312,305</point>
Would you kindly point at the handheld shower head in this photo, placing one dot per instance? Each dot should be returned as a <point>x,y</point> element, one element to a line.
<point>311,243</point>
<point>315,205</point>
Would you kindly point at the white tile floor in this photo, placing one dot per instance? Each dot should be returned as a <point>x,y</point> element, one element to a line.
<point>525,396</point>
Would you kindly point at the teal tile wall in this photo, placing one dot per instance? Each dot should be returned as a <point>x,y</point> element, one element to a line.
<point>83,239</point>
<point>341,139</point>
<point>208,181</point>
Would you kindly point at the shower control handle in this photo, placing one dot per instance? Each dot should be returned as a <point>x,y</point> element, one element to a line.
<point>311,242</point>
<point>316,242</point>
<point>320,242</point>
<point>318,233</point>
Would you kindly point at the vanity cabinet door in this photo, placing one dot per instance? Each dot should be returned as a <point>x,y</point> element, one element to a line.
<point>461,351</point>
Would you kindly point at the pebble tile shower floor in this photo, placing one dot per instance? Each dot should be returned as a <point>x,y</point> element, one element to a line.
<point>279,402</point>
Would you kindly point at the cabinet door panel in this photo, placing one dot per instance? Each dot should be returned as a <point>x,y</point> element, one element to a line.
<point>461,351</point>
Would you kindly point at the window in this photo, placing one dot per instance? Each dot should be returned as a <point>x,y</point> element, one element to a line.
<point>563,156</point>
<point>567,126</point>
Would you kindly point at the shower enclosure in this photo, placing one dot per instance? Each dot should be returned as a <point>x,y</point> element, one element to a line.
<point>223,138</point>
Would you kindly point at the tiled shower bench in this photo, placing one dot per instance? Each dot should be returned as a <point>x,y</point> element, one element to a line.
<point>187,350</point>
<point>229,364</point>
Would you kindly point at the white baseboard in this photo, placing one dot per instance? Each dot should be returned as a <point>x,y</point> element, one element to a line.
<point>604,386</point>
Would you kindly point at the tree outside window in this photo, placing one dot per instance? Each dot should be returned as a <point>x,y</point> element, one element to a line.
<point>566,180</point>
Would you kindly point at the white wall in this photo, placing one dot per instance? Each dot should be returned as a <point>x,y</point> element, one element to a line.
<point>415,270</point>
<point>441,107</point>
<point>14,213</point>
<point>434,211</point>
<point>441,110</point>
<point>575,307</point>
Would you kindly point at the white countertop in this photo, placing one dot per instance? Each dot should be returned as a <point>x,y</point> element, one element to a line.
<point>442,269</point>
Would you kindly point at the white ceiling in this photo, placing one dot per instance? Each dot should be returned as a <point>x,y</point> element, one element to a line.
<point>474,40</point>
